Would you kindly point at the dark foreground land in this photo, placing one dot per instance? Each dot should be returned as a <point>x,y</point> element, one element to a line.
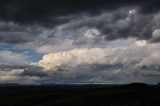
<point>80,95</point>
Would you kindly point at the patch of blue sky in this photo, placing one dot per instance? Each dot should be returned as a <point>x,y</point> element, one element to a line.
<point>66,34</point>
<point>32,55</point>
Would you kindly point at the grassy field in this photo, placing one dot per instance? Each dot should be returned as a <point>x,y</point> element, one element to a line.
<point>80,95</point>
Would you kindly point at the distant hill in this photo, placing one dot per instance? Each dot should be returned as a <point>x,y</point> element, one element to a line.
<point>9,84</point>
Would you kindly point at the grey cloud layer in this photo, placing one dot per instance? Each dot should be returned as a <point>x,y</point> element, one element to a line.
<point>137,62</point>
<point>24,70</point>
<point>22,74</point>
<point>84,29</point>
<point>9,57</point>
<point>121,23</point>
<point>45,11</point>
<point>12,33</point>
<point>84,41</point>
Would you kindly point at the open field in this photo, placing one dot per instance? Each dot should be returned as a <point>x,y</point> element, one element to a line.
<point>80,95</point>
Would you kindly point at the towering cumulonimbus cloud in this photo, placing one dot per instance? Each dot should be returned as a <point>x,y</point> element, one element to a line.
<point>74,57</point>
<point>136,54</point>
<point>138,61</point>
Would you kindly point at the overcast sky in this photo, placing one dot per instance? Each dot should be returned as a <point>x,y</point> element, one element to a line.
<point>79,41</point>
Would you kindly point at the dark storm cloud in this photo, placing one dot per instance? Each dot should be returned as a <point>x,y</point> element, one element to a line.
<point>44,11</point>
<point>34,71</point>
<point>91,40</point>
<point>21,21</point>
<point>13,33</point>
<point>121,23</point>
<point>102,73</point>
<point>27,70</point>
<point>14,37</point>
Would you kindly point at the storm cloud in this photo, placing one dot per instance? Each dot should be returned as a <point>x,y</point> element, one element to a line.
<point>79,41</point>
<point>84,29</point>
<point>28,11</point>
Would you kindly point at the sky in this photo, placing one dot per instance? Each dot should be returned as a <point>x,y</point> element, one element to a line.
<point>79,41</point>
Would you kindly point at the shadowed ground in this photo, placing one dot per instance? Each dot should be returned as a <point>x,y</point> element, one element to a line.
<point>80,95</point>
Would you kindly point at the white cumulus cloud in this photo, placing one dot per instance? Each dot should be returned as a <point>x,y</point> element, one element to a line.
<point>156,33</point>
